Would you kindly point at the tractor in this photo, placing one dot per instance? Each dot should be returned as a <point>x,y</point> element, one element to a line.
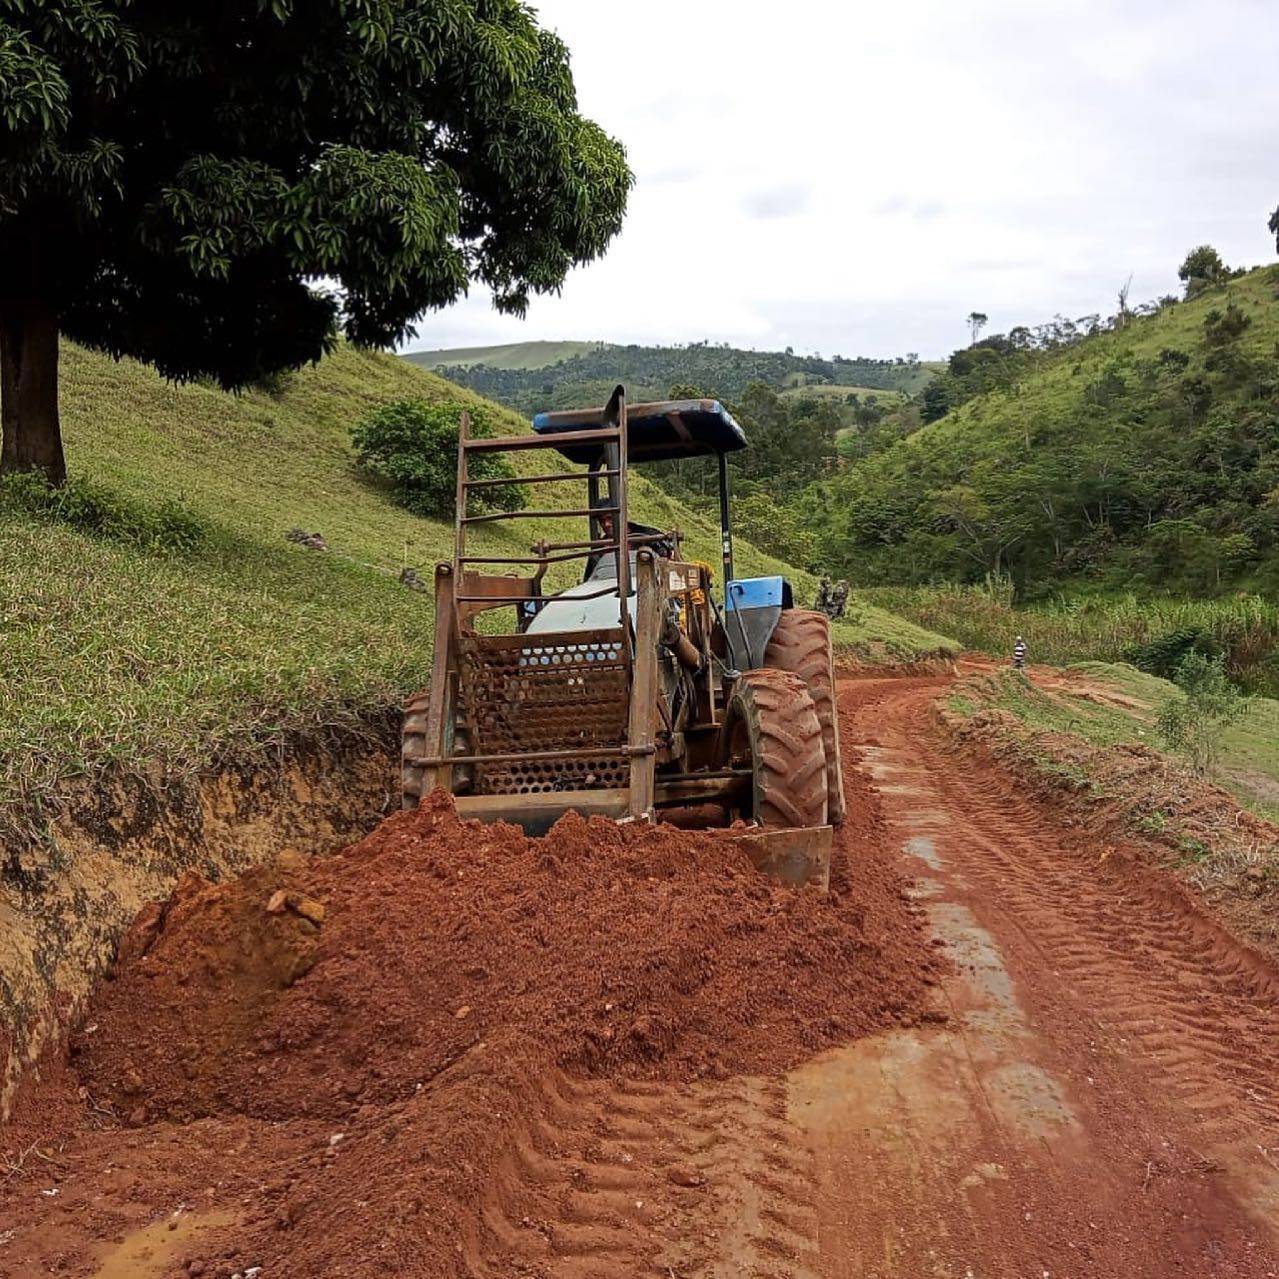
<point>638,690</point>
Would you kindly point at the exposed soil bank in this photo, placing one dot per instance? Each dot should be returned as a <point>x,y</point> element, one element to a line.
<point>64,902</point>
<point>1133,795</point>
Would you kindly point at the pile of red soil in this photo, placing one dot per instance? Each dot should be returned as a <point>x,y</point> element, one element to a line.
<point>600,948</point>
<point>371,1062</point>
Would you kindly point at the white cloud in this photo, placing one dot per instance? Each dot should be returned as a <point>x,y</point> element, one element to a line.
<point>857,178</point>
<point>783,200</point>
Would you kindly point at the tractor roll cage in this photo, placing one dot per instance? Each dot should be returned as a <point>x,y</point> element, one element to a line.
<point>584,702</point>
<point>605,439</point>
<point>658,431</point>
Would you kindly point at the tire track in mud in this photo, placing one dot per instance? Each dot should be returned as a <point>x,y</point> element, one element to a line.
<point>634,1177</point>
<point>1154,972</point>
<point>1155,986</point>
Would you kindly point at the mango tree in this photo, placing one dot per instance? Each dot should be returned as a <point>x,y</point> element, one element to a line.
<point>222,188</point>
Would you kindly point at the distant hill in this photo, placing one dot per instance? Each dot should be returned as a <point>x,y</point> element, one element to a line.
<point>513,355</point>
<point>821,391</point>
<point>530,376</point>
<point>1139,456</point>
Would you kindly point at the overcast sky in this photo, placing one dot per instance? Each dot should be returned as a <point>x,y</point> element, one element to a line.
<point>854,178</point>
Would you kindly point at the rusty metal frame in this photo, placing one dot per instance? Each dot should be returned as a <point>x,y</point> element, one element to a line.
<point>493,516</point>
<point>552,477</point>
<point>644,700</point>
<point>443,695</point>
<point>618,493</point>
<point>510,443</point>
<point>462,593</point>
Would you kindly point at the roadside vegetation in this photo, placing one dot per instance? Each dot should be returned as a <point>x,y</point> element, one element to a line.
<point>1112,704</point>
<point>1153,633</point>
<point>1193,720</point>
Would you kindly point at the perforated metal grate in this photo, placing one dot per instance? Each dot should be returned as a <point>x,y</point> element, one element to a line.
<point>523,694</point>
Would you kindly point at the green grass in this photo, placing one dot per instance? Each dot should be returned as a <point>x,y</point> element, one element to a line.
<point>1103,725</point>
<point>875,635</point>
<point>1068,469</point>
<point>1055,388</point>
<point>160,662</point>
<point>511,355</point>
<point>1250,748</point>
<point>1249,763</point>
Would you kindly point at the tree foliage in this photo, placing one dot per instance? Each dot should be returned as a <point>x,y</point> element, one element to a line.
<point>792,443</point>
<point>217,188</point>
<point>411,445</point>
<point>1201,269</point>
<point>775,527</point>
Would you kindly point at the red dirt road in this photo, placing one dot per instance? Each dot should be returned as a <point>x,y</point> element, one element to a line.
<point>1103,1100</point>
<point>1091,1089</point>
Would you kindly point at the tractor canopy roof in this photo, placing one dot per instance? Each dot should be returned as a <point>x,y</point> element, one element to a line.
<point>657,431</point>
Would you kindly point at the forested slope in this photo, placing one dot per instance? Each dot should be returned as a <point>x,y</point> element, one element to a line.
<point>1143,455</point>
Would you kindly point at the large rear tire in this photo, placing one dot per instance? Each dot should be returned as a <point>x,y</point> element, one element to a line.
<point>801,644</point>
<point>772,728</point>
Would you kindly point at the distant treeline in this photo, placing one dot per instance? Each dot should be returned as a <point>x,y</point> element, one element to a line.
<point>647,370</point>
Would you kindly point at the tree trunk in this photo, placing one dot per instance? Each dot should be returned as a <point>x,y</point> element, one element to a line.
<point>32,433</point>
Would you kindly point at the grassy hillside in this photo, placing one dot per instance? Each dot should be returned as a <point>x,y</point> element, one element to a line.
<point>573,373</point>
<point>512,355</point>
<point>186,628</point>
<point>1144,455</point>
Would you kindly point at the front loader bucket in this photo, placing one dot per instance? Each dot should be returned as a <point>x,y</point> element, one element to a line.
<point>792,855</point>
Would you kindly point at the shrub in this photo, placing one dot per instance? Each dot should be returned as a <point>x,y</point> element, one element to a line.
<point>1164,654</point>
<point>1193,720</point>
<point>411,445</point>
<point>166,525</point>
<point>1224,327</point>
<point>775,529</point>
